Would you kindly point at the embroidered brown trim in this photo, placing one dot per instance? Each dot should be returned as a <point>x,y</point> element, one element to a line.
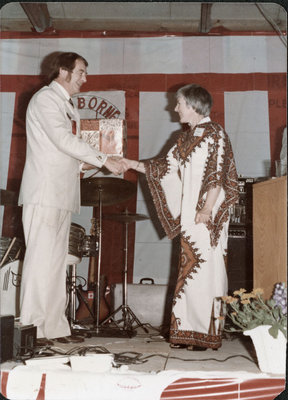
<point>186,144</point>
<point>222,174</point>
<point>155,171</point>
<point>190,261</point>
<point>192,338</point>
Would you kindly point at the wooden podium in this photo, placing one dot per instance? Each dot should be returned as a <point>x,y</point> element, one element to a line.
<point>270,234</point>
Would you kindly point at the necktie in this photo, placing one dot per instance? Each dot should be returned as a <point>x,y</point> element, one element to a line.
<point>73,122</point>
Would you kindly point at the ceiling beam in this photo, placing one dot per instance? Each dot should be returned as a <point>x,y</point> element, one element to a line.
<point>38,15</point>
<point>205,19</point>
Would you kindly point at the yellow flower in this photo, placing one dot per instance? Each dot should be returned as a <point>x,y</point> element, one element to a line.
<point>221,318</point>
<point>258,291</point>
<point>245,301</point>
<point>239,292</point>
<point>248,296</point>
<point>231,300</point>
<point>234,313</point>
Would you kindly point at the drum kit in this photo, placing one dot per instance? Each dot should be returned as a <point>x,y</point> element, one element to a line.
<point>11,252</point>
<point>10,275</point>
<point>95,192</point>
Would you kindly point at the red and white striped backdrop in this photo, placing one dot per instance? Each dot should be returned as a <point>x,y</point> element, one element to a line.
<point>246,75</point>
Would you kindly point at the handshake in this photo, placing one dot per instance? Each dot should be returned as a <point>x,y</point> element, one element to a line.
<point>118,165</point>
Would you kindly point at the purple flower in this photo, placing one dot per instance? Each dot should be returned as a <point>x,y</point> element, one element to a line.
<point>280,297</point>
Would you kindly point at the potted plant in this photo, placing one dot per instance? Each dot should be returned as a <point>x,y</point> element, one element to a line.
<point>264,321</point>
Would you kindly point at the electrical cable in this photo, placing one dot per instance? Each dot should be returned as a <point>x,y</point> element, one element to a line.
<point>200,359</point>
<point>272,23</point>
<point>123,358</point>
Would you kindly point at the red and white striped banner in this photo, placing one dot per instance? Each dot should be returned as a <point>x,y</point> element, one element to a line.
<point>137,76</point>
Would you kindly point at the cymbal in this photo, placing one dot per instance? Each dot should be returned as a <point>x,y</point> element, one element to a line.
<point>113,191</point>
<point>8,198</point>
<point>126,217</point>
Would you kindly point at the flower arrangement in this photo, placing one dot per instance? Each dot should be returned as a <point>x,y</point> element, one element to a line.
<point>249,310</point>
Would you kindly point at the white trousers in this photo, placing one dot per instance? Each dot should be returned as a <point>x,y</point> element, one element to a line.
<point>43,282</point>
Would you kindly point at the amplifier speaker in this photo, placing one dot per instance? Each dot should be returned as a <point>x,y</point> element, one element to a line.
<point>7,335</point>
<point>240,262</point>
<point>24,339</point>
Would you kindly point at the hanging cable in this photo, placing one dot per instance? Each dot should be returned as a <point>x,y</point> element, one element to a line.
<point>272,23</point>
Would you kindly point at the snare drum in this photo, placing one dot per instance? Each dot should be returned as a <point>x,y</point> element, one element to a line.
<point>15,251</point>
<point>76,237</point>
<point>10,279</point>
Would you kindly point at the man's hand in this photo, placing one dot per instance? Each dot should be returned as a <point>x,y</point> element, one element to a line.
<point>114,165</point>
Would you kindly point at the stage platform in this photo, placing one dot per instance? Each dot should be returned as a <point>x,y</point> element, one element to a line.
<point>145,367</point>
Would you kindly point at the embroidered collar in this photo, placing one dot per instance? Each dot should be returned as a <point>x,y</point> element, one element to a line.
<point>204,121</point>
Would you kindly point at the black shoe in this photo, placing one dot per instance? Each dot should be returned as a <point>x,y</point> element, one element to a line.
<point>177,346</point>
<point>196,348</point>
<point>70,339</point>
<point>42,342</point>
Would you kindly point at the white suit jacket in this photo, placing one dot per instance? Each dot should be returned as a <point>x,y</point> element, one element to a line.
<point>51,174</point>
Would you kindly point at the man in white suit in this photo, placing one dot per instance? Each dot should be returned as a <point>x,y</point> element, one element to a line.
<point>50,192</point>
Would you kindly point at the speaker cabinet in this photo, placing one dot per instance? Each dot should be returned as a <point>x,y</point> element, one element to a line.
<point>240,240</point>
<point>7,337</point>
<point>240,260</point>
<point>24,339</point>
